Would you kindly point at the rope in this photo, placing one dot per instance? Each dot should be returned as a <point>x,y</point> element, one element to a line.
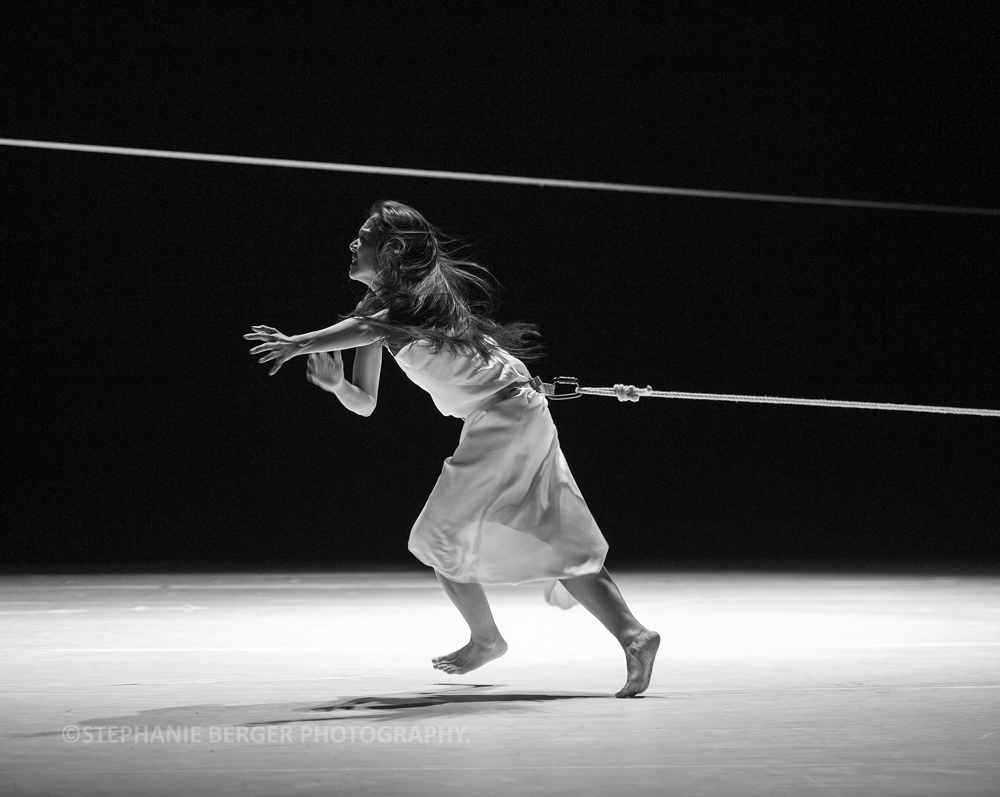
<point>632,393</point>
<point>541,182</point>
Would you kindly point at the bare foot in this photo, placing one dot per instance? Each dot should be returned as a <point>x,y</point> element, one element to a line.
<point>471,656</point>
<point>639,656</point>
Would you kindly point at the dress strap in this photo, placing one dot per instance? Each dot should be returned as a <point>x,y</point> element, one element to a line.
<point>535,383</point>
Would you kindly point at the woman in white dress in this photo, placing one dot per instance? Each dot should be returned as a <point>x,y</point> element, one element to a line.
<point>506,509</point>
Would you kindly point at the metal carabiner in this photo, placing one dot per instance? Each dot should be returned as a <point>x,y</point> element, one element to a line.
<point>564,387</point>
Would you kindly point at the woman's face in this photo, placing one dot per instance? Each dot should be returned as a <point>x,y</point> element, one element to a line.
<point>364,266</point>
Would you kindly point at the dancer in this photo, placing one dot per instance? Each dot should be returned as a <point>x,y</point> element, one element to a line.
<point>506,509</point>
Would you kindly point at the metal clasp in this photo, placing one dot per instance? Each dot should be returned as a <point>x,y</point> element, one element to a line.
<point>564,387</point>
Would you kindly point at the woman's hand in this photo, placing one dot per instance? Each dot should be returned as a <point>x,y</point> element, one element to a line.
<point>325,371</point>
<point>276,346</point>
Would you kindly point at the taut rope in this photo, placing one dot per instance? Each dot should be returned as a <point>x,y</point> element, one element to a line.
<point>540,182</point>
<point>568,387</point>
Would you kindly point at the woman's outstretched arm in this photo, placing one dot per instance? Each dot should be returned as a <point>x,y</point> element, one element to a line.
<point>328,373</point>
<point>350,333</point>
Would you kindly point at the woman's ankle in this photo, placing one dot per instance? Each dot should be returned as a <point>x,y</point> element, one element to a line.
<point>631,634</point>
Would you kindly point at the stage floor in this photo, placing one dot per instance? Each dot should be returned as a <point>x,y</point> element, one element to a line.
<point>274,684</point>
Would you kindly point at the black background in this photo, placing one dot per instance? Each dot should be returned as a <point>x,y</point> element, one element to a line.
<point>137,429</point>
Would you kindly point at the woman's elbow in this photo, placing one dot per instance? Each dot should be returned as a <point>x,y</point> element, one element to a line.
<point>366,409</point>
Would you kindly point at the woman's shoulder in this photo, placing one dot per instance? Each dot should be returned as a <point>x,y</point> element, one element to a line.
<point>394,348</point>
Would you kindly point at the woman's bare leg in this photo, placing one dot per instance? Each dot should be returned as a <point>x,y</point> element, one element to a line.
<point>599,594</point>
<point>485,643</point>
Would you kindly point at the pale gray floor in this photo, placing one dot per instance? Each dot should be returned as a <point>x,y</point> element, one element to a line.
<point>765,684</point>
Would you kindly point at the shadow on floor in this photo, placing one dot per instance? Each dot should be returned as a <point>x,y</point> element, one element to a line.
<point>450,699</point>
<point>462,694</point>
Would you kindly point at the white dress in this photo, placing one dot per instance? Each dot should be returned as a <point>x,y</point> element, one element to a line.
<point>506,509</point>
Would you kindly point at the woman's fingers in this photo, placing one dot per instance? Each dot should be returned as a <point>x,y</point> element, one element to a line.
<point>322,365</point>
<point>260,336</point>
<point>275,346</point>
<point>270,346</point>
<point>279,353</point>
<point>261,333</point>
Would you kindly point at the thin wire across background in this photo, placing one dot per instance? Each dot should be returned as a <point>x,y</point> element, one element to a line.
<point>540,182</point>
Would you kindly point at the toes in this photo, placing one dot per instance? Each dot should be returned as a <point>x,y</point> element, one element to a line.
<point>446,657</point>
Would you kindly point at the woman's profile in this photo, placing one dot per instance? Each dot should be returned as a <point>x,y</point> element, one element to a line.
<point>506,508</point>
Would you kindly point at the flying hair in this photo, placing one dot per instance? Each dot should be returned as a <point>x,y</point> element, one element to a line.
<point>425,291</point>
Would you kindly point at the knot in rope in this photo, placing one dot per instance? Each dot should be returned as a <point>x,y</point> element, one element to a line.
<point>631,392</point>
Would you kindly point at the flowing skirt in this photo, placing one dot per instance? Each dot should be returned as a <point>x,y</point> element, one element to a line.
<point>506,508</point>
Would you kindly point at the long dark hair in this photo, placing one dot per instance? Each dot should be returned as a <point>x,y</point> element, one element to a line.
<point>424,291</point>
